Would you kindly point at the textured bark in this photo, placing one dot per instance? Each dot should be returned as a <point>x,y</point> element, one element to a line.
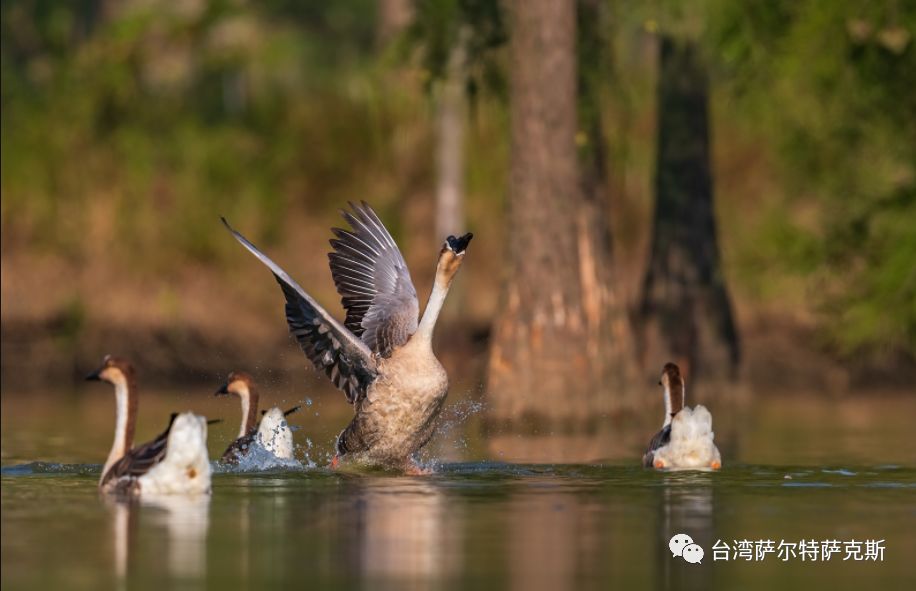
<point>685,314</point>
<point>549,354</point>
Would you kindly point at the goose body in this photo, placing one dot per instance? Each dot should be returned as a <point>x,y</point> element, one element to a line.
<point>270,430</point>
<point>175,462</point>
<point>686,439</point>
<point>381,356</point>
<point>274,434</point>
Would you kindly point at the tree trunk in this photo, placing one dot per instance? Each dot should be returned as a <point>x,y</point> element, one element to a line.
<point>685,314</point>
<point>392,18</point>
<point>549,356</point>
<point>450,121</point>
<point>451,113</point>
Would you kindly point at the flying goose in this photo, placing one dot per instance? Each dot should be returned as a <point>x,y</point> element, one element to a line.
<point>686,438</point>
<point>270,430</point>
<point>381,356</point>
<point>175,462</point>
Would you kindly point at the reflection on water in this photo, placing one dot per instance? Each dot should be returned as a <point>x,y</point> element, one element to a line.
<point>408,532</point>
<point>814,470</point>
<point>469,526</point>
<point>184,522</point>
<point>685,507</point>
<point>120,535</point>
<point>550,540</point>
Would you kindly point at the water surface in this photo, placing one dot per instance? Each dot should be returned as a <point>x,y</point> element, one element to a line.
<point>815,470</point>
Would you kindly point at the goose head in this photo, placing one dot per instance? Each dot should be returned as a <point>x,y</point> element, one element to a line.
<point>241,384</point>
<point>113,370</point>
<point>450,258</point>
<point>238,383</point>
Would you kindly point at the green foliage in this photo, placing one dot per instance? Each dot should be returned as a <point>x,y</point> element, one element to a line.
<point>830,85</point>
<point>475,27</point>
<point>128,127</point>
<point>154,118</point>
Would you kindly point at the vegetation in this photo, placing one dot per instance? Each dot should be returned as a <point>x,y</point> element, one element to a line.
<point>144,120</point>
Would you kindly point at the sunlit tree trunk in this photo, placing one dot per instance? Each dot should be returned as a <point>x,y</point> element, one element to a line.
<point>685,314</point>
<point>550,357</point>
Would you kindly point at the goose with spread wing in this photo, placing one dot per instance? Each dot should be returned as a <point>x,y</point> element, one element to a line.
<point>381,356</point>
<point>175,462</point>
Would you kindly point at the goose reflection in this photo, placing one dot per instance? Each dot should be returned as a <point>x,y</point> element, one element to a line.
<point>552,539</point>
<point>408,531</point>
<point>183,520</point>
<point>686,506</point>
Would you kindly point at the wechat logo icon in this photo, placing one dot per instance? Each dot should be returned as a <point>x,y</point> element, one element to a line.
<point>682,545</point>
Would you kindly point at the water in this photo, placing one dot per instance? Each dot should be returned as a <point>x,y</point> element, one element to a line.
<point>794,469</point>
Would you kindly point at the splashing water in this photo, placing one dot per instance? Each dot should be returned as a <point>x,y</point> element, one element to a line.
<point>259,459</point>
<point>448,438</point>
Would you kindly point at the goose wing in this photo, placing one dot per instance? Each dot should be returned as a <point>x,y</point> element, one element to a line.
<point>239,448</point>
<point>661,439</point>
<point>329,345</point>
<point>143,458</point>
<point>373,282</point>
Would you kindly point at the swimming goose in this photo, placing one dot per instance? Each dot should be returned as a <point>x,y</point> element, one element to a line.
<point>381,355</point>
<point>175,462</point>
<point>686,438</point>
<point>271,432</point>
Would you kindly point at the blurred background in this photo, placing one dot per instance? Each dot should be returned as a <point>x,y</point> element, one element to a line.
<point>727,185</point>
<point>731,186</point>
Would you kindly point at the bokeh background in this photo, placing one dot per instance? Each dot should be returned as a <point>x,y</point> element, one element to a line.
<point>728,185</point>
<point>129,127</point>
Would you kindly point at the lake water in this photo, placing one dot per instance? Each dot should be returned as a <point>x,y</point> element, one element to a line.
<point>796,468</point>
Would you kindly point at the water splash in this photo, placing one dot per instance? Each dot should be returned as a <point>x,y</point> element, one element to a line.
<point>448,439</point>
<point>37,468</point>
<point>259,459</point>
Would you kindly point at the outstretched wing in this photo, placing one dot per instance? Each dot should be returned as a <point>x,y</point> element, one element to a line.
<point>143,458</point>
<point>328,344</point>
<point>373,282</point>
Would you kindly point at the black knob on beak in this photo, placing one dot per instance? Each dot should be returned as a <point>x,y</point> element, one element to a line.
<point>459,245</point>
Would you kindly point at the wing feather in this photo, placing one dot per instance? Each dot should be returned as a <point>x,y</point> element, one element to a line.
<point>140,460</point>
<point>330,346</point>
<point>661,439</point>
<point>373,281</point>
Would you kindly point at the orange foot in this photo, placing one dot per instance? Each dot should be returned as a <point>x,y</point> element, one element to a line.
<point>715,465</point>
<point>335,462</point>
<point>412,469</point>
<point>659,463</point>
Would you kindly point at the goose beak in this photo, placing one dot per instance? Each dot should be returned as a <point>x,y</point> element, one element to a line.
<point>95,376</point>
<point>223,390</point>
<point>458,245</point>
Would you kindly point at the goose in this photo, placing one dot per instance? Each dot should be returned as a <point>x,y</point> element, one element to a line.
<point>381,356</point>
<point>175,462</point>
<point>686,438</point>
<point>271,432</point>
